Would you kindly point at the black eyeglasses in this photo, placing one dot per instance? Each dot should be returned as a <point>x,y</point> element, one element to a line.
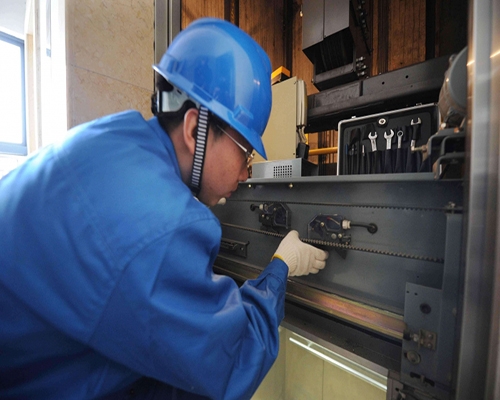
<point>248,154</point>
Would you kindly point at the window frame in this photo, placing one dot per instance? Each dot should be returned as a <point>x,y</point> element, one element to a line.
<point>15,148</point>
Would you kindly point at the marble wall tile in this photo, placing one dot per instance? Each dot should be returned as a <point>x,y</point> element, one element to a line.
<point>114,38</point>
<point>92,95</point>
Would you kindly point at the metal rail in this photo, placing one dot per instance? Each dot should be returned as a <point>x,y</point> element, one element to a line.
<point>381,321</point>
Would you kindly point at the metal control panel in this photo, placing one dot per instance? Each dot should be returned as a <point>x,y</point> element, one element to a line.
<point>389,291</point>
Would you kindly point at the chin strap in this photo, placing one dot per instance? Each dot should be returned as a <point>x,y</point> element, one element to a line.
<point>199,151</point>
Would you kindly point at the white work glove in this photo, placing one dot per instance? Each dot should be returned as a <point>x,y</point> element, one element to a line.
<point>301,258</point>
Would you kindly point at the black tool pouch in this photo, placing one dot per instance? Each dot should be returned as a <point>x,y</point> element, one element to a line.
<point>386,143</point>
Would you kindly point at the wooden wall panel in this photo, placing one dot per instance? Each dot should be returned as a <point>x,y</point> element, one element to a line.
<point>406,44</point>
<point>263,20</point>
<point>194,9</point>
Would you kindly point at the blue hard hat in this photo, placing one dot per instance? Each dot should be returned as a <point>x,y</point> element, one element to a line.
<point>222,68</point>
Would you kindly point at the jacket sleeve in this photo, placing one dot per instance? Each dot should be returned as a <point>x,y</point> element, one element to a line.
<point>171,318</point>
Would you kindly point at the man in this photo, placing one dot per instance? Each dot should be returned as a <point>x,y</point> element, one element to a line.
<point>107,243</point>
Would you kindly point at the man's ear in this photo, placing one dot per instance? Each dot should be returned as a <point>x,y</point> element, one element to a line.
<point>189,129</point>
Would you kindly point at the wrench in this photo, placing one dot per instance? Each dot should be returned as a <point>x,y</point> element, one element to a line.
<point>388,139</point>
<point>413,160</point>
<point>362,167</point>
<point>414,137</point>
<point>373,139</point>
<point>400,138</point>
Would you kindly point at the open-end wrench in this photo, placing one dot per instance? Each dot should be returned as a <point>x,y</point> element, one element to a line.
<point>388,139</point>
<point>388,152</point>
<point>377,167</point>
<point>412,161</point>
<point>415,133</point>
<point>373,139</point>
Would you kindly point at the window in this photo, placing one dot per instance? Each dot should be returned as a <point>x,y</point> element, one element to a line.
<point>12,97</point>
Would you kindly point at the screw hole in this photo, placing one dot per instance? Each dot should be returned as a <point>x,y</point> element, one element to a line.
<point>425,308</point>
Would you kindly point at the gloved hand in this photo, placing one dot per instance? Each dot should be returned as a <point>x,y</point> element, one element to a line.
<point>301,258</point>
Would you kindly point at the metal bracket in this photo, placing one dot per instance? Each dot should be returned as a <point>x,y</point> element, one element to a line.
<point>234,247</point>
<point>426,339</point>
<point>273,216</point>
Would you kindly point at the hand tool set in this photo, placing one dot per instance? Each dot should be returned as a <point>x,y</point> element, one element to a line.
<point>386,143</point>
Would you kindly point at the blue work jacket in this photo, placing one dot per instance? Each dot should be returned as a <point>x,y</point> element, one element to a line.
<point>106,280</point>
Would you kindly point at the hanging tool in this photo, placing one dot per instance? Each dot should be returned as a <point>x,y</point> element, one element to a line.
<point>412,163</point>
<point>373,140</point>
<point>399,152</point>
<point>388,152</point>
<point>362,168</point>
<point>416,136</point>
<point>376,165</point>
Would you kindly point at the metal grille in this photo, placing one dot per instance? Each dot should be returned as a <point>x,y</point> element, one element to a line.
<point>283,171</point>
